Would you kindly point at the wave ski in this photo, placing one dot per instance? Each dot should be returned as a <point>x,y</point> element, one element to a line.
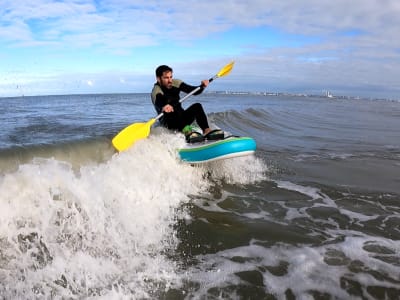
<point>211,150</point>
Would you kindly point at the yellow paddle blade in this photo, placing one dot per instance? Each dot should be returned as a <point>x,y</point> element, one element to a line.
<point>131,134</point>
<point>226,70</point>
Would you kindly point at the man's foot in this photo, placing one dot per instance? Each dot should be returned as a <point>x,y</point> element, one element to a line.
<point>194,137</point>
<point>216,134</point>
<point>187,130</point>
<point>191,135</point>
<point>206,131</point>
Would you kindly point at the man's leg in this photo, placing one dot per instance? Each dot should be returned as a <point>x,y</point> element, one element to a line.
<point>196,113</point>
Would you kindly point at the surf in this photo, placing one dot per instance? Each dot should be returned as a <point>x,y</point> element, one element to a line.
<point>101,228</point>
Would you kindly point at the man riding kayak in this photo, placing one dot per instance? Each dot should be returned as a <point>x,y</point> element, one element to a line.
<point>165,98</point>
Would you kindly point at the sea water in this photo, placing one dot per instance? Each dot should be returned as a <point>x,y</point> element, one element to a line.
<point>314,214</point>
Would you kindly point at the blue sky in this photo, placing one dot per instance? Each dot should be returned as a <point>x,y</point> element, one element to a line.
<point>83,46</point>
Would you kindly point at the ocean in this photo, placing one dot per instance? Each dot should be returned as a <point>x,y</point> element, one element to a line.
<point>314,214</point>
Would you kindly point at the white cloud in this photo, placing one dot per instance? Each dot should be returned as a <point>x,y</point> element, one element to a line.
<point>191,19</point>
<point>355,43</point>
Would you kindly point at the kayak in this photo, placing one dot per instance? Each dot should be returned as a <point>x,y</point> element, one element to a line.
<point>211,150</point>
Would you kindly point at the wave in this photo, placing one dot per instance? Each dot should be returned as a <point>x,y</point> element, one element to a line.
<point>292,131</point>
<point>77,153</point>
<point>80,145</point>
<point>245,122</point>
<point>107,226</point>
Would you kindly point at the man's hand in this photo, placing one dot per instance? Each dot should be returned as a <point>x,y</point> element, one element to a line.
<point>204,83</point>
<point>168,108</point>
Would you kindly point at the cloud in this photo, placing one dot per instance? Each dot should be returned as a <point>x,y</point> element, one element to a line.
<point>126,25</point>
<point>352,44</point>
<point>193,19</point>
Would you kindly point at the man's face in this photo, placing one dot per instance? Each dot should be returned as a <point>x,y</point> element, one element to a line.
<point>166,79</point>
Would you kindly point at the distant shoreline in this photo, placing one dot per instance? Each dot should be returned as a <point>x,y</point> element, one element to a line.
<point>275,94</point>
<point>286,94</point>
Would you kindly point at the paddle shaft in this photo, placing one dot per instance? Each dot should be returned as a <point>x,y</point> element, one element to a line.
<point>187,96</point>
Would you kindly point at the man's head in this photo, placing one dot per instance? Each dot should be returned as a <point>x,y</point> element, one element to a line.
<point>164,76</point>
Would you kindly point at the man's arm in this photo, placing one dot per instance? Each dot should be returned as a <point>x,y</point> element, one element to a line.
<point>158,99</point>
<point>184,87</point>
<point>162,105</point>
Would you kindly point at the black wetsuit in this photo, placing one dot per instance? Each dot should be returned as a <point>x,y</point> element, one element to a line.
<point>180,117</point>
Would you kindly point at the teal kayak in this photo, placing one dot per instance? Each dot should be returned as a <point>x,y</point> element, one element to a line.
<point>207,151</point>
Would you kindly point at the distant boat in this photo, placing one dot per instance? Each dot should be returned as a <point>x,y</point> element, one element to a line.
<point>328,94</point>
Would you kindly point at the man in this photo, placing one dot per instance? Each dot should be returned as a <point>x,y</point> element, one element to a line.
<point>165,98</point>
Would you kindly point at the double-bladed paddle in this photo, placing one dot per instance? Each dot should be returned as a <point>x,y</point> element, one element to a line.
<point>136,131</point>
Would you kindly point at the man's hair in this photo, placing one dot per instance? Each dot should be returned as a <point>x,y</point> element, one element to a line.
<point>161,69</point>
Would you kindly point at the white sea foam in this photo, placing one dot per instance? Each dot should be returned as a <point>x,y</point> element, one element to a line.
<point>102,230</point>
<point>107,224</point>
<point>312,192</point>
<point>303,269</point>
<point>316,194</point>
<point>241,170</point>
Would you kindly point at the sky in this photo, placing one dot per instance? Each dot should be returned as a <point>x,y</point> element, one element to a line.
<point>113,46</point>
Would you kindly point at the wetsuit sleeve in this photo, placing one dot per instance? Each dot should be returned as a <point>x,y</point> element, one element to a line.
<point>160,102</point>
<point>158,98</point>
<point>188,88</point>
